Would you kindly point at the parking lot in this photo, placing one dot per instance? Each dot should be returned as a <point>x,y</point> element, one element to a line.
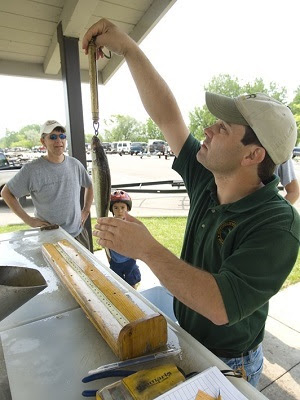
<point>133,169</point>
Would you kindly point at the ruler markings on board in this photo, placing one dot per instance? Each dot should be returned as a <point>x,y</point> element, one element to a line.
<point>100,295</point>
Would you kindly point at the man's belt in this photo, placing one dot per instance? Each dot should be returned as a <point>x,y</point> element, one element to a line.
<point>229,354</point>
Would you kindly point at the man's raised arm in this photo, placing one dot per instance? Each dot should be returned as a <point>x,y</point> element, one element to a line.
<point>155,94</point>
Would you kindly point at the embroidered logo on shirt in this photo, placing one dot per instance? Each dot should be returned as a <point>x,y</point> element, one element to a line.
<point>224,229</point>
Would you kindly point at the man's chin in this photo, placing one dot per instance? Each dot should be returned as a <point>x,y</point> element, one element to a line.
<point>200,156</point>
<point>202,159</point>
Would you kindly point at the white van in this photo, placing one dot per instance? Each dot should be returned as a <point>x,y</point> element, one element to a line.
<point>123,147</point>
<point>114,147</point>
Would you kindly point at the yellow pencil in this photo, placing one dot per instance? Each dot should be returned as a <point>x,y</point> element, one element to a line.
<point>219,396</point>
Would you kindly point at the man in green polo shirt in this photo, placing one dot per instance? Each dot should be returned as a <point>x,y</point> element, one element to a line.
<point>242,237</point>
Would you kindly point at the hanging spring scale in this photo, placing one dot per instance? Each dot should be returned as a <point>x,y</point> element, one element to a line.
<point>93,75</point>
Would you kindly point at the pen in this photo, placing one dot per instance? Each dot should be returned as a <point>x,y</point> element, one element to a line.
<point>137,360</point>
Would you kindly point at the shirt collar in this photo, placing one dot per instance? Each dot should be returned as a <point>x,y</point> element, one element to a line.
<point>249,202</point>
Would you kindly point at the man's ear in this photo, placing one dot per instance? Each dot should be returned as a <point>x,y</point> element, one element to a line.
<point>43,141</point>
<point>255,155</point>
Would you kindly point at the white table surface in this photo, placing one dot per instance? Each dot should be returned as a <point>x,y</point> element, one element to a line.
<point>49,344</point>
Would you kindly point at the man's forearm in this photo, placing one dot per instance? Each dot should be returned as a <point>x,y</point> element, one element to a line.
<point>292,197</point>
<point>292,191</point>
<point>192,286</point>
<point>88,199</point>
<point>14,205</point>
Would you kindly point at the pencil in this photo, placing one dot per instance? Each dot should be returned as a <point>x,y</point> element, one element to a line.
<point>219,396</point>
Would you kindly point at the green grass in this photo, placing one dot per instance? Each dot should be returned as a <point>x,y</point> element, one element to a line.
<point>169,232</point>
<point>13,228</point>
<point>294,276</point>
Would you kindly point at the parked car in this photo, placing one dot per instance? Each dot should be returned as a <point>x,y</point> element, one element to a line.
<point>114,147</point>
<point>123,147</point>
<point>7,171</point>
<point>158,146</point>
<point>296,152</point>
<point>106,146</point>
<point>138,147</point>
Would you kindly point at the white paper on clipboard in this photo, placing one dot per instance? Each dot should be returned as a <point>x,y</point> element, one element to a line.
<point>210,381</point>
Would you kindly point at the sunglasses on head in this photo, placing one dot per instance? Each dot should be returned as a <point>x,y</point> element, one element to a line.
<point>53,136</point>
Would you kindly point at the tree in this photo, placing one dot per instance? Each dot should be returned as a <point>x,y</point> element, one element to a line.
<point>278,93</point>
<point>200,117</point>
<point>88,137</point>
<point>9,138</point>
<point>295,107</point>
<point>122,127</point>
<point>224,84</point>
<point>28,136</point>
<point>151,131</point>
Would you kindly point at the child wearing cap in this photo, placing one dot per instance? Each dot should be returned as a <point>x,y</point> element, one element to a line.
<point>126,268</point>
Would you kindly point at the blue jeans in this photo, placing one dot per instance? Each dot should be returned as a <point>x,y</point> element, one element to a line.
<point>253,364</point>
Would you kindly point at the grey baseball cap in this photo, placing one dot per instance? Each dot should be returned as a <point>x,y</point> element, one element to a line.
<point>272,121</point>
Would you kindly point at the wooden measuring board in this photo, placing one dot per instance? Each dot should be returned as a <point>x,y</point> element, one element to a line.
<point>128,330</point>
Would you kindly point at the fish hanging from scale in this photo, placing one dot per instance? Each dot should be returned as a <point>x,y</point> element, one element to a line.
<point>100,168</point>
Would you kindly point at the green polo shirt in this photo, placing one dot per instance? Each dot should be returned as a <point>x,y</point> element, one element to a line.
<point>249,246</point>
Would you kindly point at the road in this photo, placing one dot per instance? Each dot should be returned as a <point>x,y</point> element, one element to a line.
<point>133,169</point>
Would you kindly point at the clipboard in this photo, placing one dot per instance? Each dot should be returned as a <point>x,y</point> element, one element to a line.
<point>210,381</point>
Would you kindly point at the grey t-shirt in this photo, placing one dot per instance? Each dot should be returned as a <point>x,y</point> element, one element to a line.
<point>286,172</point>
<point>54,189</point>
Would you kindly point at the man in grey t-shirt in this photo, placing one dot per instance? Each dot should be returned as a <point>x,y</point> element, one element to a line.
<point>54,182</point>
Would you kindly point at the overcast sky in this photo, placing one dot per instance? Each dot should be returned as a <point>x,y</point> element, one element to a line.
<point>193,42</point>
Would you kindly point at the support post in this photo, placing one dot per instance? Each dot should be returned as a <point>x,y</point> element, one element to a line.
<point>70,71</point>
